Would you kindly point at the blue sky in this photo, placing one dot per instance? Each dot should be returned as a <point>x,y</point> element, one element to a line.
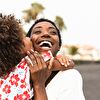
<point>82,17</point>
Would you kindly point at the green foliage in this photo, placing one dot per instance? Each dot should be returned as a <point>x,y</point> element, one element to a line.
<point>72,50</point>
<point>60,23</point>
<point>38,7</point>
<point>35,10</point>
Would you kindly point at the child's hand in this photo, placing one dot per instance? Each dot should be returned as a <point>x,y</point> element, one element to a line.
<point>65,61</point>
<point>38,68</point>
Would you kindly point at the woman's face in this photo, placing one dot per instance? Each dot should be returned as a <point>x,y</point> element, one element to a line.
<point>44,37</point>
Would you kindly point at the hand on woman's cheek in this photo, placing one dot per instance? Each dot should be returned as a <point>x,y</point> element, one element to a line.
<point>28,44</point>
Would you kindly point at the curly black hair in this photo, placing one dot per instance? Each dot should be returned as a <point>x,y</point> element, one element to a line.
<point>11,44</point>
<point>45,20</point>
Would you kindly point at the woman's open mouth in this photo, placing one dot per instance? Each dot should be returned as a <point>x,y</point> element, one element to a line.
<point>45,44</point>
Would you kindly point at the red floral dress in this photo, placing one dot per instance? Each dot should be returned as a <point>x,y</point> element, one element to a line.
<point>16,85</point>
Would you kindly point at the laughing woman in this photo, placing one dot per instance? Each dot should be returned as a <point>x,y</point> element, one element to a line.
<point>62,85</point>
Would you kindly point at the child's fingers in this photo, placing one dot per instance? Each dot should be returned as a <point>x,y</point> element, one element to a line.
<point>50,63</point>
<point>59,58</point>
<point>29,63</point>
<point>65,60</point>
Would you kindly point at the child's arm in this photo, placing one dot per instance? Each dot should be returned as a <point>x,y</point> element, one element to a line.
<point>60,62</point>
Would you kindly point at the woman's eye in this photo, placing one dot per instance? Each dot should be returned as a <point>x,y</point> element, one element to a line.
<point>53,32</point>
<point>37,32</point>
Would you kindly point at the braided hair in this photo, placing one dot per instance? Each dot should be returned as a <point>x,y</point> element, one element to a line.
<point>10,43</point>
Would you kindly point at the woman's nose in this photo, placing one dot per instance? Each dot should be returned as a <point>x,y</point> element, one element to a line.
<point>45,34</point>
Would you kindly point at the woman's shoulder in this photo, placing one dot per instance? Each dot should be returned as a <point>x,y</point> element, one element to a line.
<point>72,72</point>
<point>70,75</point>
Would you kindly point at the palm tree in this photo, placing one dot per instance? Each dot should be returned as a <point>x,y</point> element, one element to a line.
<point>60,23</point>
<point>73,50</point>
<point>33,12</point>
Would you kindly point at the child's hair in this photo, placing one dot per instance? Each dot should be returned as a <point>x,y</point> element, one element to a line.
<point>11,44</point>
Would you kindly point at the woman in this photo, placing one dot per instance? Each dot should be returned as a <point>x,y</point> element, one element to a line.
<point>63,85</point>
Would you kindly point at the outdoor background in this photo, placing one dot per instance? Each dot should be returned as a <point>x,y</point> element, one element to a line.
<point>82,20</point>
<point>82,17</point>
